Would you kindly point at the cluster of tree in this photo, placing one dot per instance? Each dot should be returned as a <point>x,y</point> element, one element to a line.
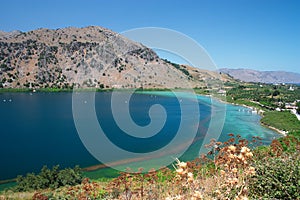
<point>298,109</point>
<point>269,95</point>
<point>49,178</point>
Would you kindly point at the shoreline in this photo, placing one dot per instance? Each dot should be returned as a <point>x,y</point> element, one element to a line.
<point>261,113</point>
<point>282,132</point>
<point>257,111</point>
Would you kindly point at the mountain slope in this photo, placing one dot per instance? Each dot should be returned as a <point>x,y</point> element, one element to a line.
<point>249,75</point>
<point>84,57</point>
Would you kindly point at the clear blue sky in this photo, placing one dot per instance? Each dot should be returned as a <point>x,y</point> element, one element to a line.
<point>257,34</point>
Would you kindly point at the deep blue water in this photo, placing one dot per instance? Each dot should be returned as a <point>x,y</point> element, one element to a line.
<point>37,129</point>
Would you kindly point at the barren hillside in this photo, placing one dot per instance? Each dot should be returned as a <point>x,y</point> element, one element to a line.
<point>87,57</point>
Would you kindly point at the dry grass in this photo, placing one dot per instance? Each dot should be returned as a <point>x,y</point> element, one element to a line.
<point>17,196</point>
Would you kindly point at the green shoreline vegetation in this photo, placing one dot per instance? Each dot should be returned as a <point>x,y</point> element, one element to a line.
<point>269,171</point>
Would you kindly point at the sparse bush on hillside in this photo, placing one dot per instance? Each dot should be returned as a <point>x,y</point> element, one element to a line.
<point>177,66</point>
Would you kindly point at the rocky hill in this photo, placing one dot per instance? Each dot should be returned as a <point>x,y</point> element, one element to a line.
<point>88,57</point>
<point>249,75</point>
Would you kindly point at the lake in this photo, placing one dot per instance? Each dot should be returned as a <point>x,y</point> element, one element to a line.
<point>38,128</point>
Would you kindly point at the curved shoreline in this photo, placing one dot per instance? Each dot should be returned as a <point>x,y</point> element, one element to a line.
<point>259,112</point>
<point>282,132</point>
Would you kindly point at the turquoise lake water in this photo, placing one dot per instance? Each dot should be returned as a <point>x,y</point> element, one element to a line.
<point>38,129</point>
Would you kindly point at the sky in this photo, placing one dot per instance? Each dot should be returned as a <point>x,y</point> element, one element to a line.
<point>255,34</point>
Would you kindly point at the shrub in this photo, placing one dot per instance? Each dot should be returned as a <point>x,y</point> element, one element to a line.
<point>290,143</point>
<point>276,93</point>
<point>277,178</point>
<point>49,178</point>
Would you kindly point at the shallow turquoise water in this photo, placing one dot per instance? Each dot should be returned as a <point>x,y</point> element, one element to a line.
<point>38,129</point>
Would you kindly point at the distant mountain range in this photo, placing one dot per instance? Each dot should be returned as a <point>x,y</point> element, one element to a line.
<point>249,75</point>
<point>89,57</point>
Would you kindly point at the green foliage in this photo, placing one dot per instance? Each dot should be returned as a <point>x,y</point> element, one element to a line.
<point>49,178</point>
<point>267,97</point>
<point>4,67</point>
<point>246,103</point>
<point>282,120</point>
<point>163,177</point>
<point>277,169</point>
<point>295,134</point>
<point>276,93</point>
<point>266,94</point>
<point>276,178</point>
<point>4,80</point>
<point>291,143</point>
<point>4,90</point>
<point>177,66</point>
<point>298,109</point>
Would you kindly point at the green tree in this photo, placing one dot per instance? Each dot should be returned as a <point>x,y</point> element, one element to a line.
<point>276,93</point>
<point>298,109</point>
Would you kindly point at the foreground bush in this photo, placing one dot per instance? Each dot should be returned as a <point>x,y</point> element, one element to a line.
<point>278,169</point>
<point>49,178</point>
<point>277,178</point>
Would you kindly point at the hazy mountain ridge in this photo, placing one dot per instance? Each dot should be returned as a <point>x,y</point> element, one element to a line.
<point>87,57</point>
<point>249,75</point>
